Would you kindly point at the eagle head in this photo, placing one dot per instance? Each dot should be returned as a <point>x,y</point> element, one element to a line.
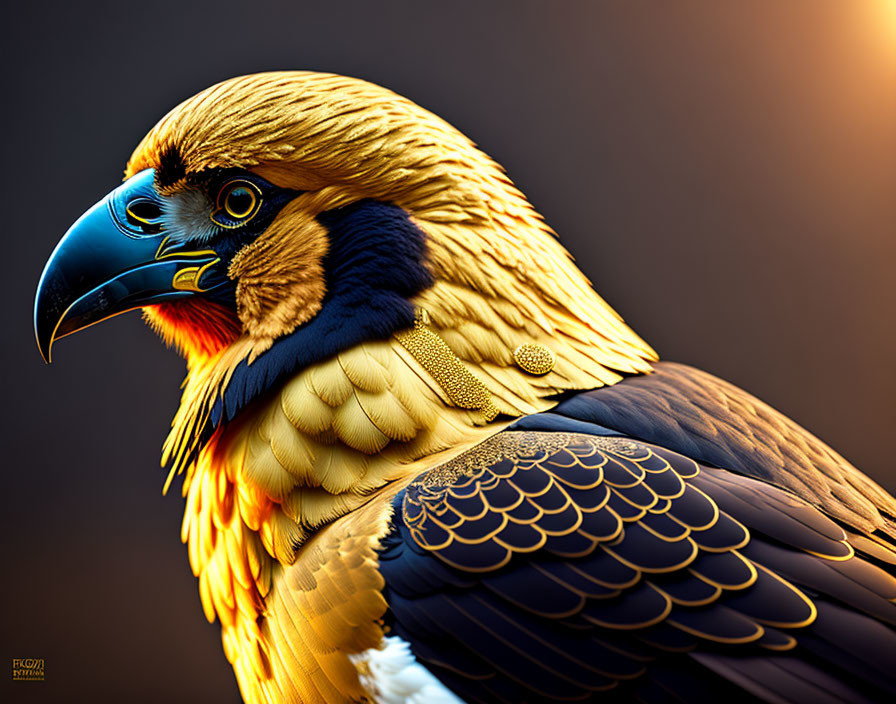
<point>276,220</point>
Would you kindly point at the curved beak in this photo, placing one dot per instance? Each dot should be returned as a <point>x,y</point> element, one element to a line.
<point>116,258</point>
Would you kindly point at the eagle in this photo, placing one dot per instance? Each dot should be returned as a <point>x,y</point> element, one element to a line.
<point>424,461</point>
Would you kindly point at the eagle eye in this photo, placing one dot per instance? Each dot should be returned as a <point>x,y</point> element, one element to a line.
<point>144,215</point>
<point>238,202</point>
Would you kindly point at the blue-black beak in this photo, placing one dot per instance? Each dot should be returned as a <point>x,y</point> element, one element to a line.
<point>116,258</point>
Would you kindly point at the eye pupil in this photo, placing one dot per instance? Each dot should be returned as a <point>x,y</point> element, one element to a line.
<point>240,202</point>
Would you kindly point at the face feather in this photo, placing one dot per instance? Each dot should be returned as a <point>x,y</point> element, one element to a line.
<point>280,277</point>
<point>185,215</point>
<point>170,168</point>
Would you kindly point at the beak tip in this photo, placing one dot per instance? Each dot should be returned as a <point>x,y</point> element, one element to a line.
<point>46,318</point>
<point>44,330</point>
<point>45,347</point>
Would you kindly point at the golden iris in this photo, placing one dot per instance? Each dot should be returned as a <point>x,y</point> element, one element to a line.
<point>239,201</point>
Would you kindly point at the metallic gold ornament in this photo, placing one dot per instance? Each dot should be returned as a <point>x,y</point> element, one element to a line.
<point>534,359</point>
<point>431,352</point>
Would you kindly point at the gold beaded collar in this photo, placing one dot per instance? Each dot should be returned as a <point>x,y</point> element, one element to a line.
<point>459,383</point>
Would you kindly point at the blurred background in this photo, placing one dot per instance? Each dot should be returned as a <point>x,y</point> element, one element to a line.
<point>724,172</point>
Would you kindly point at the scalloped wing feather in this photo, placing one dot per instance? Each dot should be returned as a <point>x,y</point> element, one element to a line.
<point>526,550</point>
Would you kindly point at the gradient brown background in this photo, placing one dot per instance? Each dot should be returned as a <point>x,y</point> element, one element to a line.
<point>724,171</point>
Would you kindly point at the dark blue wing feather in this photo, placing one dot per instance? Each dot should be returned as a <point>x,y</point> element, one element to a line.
<point>566,566</point>
<point>717,424</point>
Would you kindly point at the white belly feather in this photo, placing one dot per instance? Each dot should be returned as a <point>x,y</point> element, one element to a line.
<point>392,675</point>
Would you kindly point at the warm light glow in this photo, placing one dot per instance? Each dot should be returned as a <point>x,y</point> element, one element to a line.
<point>883,14</point>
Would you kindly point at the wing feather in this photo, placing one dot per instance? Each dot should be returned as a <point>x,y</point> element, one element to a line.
<point>567,564</point>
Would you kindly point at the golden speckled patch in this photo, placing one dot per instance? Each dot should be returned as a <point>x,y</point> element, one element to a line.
<point>518,446</point>
<point>462,387</point>
<point>535,359</point>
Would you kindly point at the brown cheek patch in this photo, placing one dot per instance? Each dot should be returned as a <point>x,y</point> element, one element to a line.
<point>280,277</point>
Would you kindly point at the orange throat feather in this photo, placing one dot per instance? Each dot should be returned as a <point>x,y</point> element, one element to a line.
<point>197,329</point>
